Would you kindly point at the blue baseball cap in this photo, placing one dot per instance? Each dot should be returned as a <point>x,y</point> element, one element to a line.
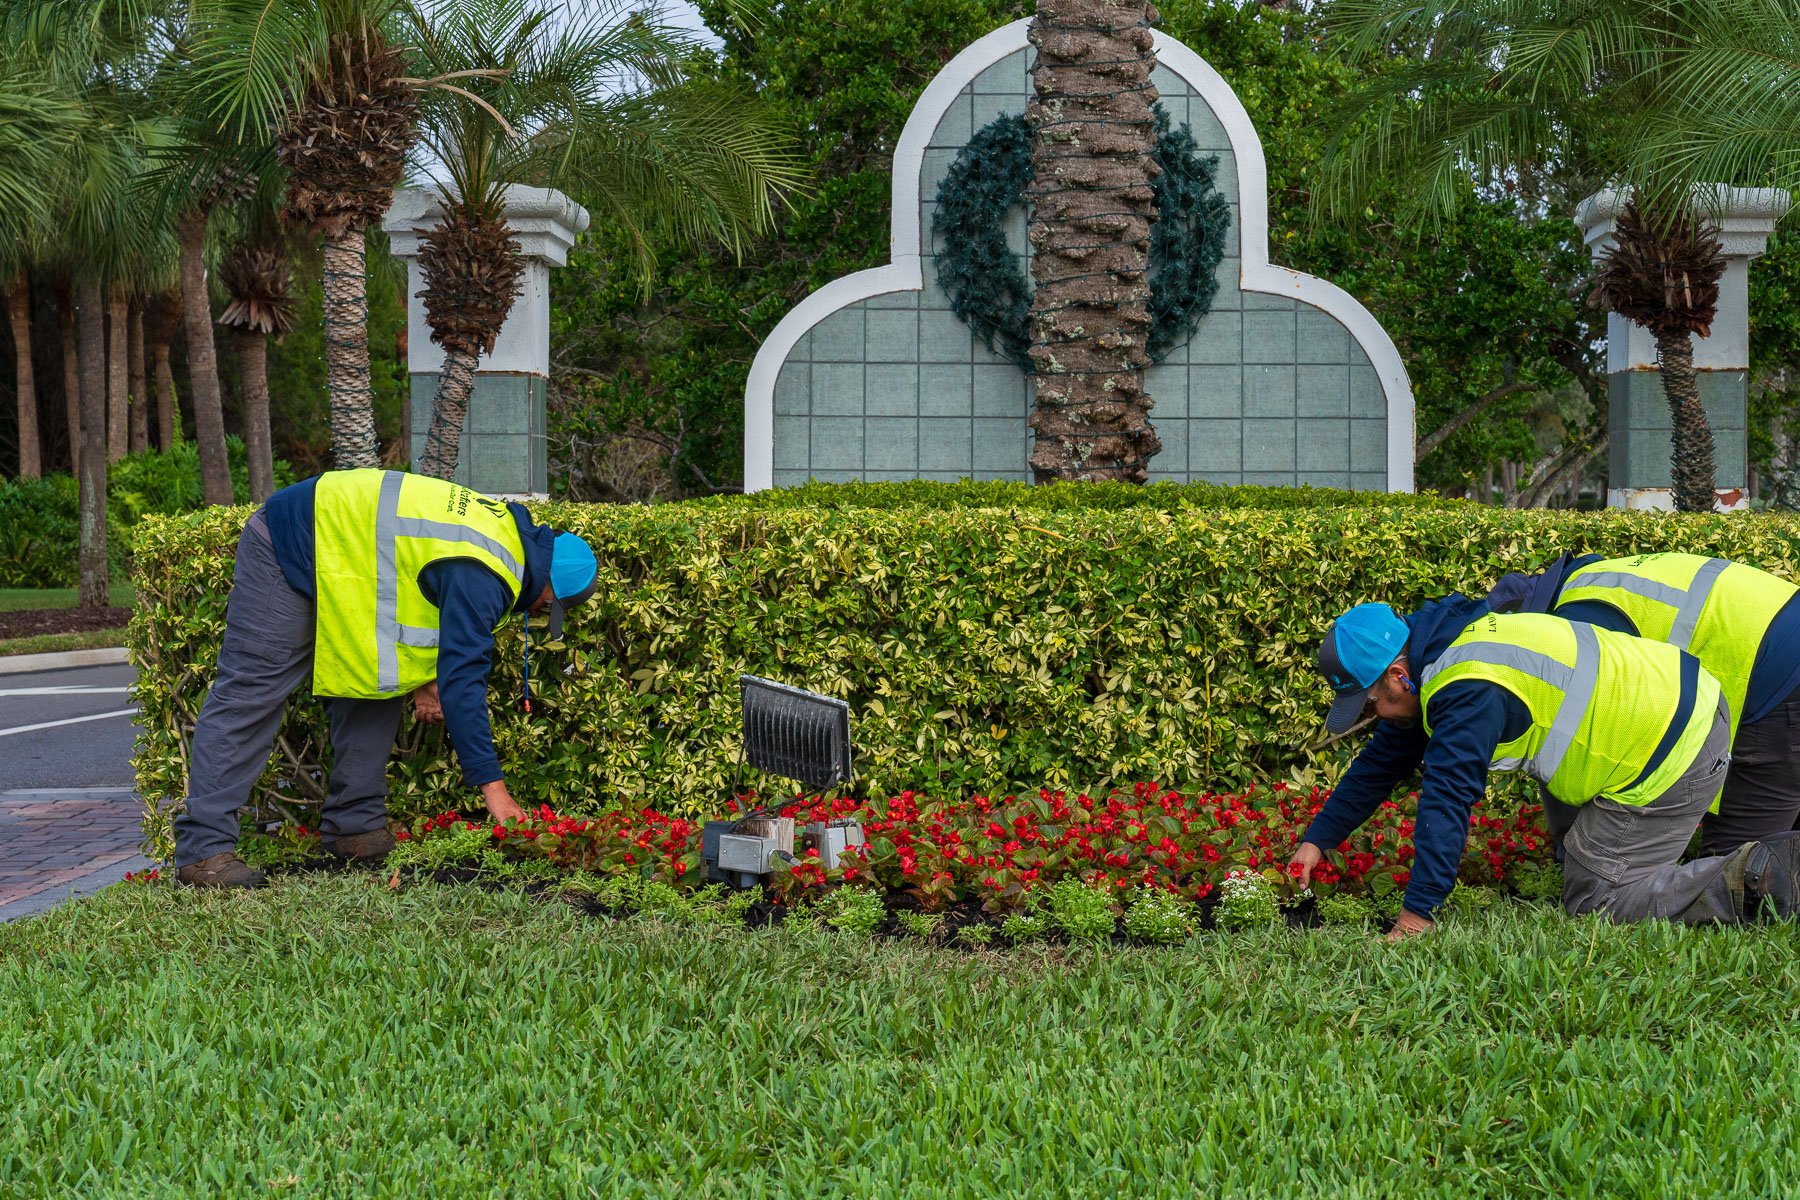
<point>1360,645</point>
<point>574,572</point>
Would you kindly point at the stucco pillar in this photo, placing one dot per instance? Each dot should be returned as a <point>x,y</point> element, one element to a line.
<point>1638,414</point>
<point>503,443</point>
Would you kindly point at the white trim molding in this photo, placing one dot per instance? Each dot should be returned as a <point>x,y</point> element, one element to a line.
<point>903,272</point>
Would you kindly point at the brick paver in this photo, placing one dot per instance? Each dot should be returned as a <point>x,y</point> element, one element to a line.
<point>54,843</point>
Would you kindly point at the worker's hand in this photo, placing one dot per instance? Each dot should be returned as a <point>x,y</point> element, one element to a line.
<point>1410,925</point>
<point>500,804</point>
<point>1306,857</point>
<point>426,705</point>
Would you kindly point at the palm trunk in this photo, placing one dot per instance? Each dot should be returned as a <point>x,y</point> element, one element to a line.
<point>253,360</point>
<point>1691,452</point>
<point>140,423</point>
<point>203,361</point>
<point>347,353</point>
<point>449,409</point>
<point>166,420</point>
<point>71,376</point>
<point>18,312</point>
<point>118,375</point>
<point>1093,135</point>
<point>92,316</point>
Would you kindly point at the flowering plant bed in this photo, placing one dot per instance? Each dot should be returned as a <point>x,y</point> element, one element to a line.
<point>1022,865</point>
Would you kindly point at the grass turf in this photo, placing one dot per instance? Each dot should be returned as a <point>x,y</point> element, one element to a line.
<point>52,643</point>
<point>329,1038</point>
<point>119,595</point>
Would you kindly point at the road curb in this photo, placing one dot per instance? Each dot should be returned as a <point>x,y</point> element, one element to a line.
<point>87,885</point>
<point>99,656</point>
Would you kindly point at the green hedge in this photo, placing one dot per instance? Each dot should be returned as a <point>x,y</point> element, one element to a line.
<point>987,649</point>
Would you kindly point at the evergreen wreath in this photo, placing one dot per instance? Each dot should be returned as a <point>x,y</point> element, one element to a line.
<point>985,281</point>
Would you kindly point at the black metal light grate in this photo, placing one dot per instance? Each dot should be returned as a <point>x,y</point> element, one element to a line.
<point>796,734</point>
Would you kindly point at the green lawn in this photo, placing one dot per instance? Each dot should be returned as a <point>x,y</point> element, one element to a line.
<point>329,1038</point>
<point>119,595</point>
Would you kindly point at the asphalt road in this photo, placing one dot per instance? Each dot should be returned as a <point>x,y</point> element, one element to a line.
<point>71,728</point>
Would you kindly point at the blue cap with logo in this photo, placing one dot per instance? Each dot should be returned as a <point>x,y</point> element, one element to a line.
<point>1360,645</point>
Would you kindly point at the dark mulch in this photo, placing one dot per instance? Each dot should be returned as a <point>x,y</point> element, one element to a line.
<point>33,622</point>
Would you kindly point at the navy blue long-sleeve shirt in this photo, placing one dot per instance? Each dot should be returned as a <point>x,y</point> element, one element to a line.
<point>471,601</point>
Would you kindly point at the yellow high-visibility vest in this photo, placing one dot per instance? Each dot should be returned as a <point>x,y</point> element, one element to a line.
<point>373,532</point>
<point>1600,703</point>
<point>1715,609</point>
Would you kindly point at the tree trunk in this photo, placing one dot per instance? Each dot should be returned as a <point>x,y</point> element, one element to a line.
<point>91,307</point>
<point>1691,451</point>
<point>203,361</point>
<point>167,418</point>
<point>253,361</point>
<point>71,376</point>
<point>449,409</point>
<point>18,312</point>
<point>347,353</point>
<point>118,375</point>
<point>1093,135</point>
<point>140,424</point>
<point>1448,429</point>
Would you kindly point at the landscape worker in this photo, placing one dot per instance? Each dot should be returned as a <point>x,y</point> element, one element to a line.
<point>1632,734</point>
<point>1742,623</point>
<point>380,584</point>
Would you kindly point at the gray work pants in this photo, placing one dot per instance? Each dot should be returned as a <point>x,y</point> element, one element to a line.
<point>1762,792</point>
<point>1624,859</point>
<point>267,653</point>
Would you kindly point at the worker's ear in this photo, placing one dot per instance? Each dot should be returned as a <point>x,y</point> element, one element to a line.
<point>1401,679</point>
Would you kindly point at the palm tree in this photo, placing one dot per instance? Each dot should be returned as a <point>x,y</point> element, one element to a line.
<point>35,122</point>
<point>1093,135</point>
<point>605,104</point>
<point>331,81</point>
<point>258,277</point>
<point>1548,99</point>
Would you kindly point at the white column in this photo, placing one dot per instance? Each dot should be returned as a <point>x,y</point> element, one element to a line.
<point>503,445</point>
<point>1639,421</point>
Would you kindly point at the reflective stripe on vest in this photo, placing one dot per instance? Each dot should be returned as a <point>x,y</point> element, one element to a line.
<point>374,532</point>
<point>390,526</point>
<point>1687,602</point>
<point>1715,609</point>
<point>1576,684</point>
<point>1600,703</point>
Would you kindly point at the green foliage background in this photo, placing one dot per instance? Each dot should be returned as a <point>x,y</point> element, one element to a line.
<point>992,648</point>
<point>1498,287</point>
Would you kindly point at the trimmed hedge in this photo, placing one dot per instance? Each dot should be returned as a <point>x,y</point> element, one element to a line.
<point>983,650</point>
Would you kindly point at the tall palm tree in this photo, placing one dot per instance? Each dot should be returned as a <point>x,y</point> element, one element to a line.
<point>605,103</point>
<point>35,120</point>
<point>1093,135</point>
<point>332,81</point>
<point>1549,99</point>
<point>258,278</point>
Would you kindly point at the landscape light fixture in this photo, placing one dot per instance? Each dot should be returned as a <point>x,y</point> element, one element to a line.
<point>799,735</point>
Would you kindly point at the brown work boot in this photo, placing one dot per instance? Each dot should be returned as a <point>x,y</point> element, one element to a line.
<point>372,846</point>
<point>221,871</point>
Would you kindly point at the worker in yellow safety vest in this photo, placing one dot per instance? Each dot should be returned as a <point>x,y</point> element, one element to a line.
<point>1741,622</point>
<point>381,586</point>
<point>1632,735</point>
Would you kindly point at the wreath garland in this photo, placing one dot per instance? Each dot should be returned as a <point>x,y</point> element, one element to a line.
<point>987,285</point>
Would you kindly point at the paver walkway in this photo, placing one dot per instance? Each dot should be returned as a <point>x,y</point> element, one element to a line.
<point>59,842</point>
<point>69,823</point>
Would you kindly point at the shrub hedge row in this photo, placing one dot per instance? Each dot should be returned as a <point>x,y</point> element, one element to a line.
<point>983,649</point>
